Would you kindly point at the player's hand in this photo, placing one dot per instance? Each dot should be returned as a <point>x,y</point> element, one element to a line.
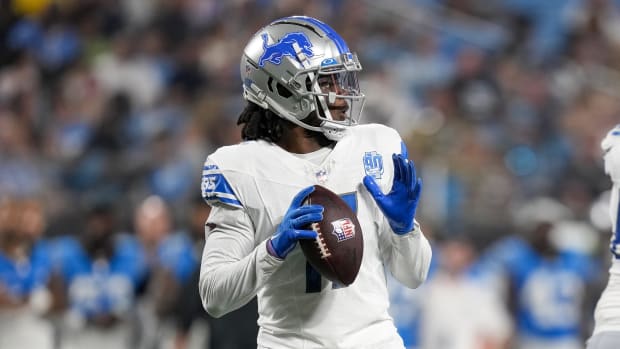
<point>292,227</point>
<point>400,204</point>
<point>611,149</point>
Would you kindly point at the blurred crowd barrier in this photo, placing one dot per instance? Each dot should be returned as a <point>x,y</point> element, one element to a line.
<point>109,108</point>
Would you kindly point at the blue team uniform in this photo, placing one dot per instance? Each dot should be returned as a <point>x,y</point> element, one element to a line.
<point>98,286</point>
<point>550,291</point>
<point>21,278</point>
<point>176,254</point>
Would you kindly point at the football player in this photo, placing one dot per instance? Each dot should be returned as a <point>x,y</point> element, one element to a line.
<point>606,334</point>
<point>300,129</point>
<point>25,270</point>
<point>97,273</point>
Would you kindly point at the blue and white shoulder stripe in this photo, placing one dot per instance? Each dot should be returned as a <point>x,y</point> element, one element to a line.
<point>215,187</point>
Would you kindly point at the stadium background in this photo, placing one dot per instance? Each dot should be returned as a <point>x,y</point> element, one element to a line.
<point>111,106</point>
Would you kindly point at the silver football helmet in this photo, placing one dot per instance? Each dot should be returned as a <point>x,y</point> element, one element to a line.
<point>297,65</point>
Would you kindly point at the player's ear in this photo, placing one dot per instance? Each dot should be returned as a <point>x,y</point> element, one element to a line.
<point>403,150</point>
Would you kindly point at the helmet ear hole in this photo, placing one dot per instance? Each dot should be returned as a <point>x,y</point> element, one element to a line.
<point>283,91</point>
<point>269,83</point>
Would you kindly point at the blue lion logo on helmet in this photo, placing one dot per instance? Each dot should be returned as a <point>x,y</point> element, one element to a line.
<point>284,47</point>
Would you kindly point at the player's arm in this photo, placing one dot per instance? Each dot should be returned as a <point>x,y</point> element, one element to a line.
<point>408,253</point>
<point>232,268</point>
<point>234,265</point>
<point>408,256</point>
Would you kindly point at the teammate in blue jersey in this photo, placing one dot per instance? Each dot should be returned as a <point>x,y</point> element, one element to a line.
<point>24,275</point>
<point>606,334</point>
<point>546,282</point>
<point>98,271</point>
<point>300,128</point>
<point>170,260</point>
<point>24,255</point>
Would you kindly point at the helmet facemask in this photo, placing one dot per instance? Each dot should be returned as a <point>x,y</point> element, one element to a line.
<point>336,95</point>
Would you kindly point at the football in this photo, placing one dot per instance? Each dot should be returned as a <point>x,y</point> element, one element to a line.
<point>337,251</point>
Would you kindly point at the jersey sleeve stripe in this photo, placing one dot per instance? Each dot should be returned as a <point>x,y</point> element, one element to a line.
<point>215,187</point>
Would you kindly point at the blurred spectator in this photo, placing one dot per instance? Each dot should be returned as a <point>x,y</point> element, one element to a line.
<point>192,322</point>
<point>406,304</point>
<point>24,276</point>
<point>23,170</point>
<point>170,259</point>
<point>123,70</point>
<point>546,271</point>
<point>459,311</point>
<point>236,330</point>
<point>99,270</point>
<point>474,87</point>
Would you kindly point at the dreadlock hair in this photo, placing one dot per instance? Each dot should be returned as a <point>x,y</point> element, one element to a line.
<point>259,123</point>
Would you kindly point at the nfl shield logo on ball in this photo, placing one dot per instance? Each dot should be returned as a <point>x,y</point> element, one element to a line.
<point>344,229</point>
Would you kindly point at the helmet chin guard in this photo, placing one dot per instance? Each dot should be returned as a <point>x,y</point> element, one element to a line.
<point>298,65</point>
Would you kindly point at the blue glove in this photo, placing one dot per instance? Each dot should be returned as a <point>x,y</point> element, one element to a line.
<point>400,204</point>
<point>292,227</point>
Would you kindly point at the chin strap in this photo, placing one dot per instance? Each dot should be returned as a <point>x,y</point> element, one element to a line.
<point>333,132</point>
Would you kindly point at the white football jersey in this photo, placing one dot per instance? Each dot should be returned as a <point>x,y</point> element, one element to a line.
<point>250,186</point>
<point>607,312</point>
